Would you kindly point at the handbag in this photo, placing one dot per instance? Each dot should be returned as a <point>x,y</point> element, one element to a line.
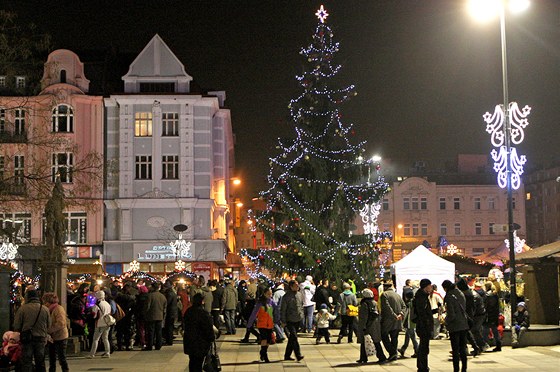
<point>27,335</point>
<point>212,360</point>
<point>369,345</point>
<point>109,320</point>
<point>273,338</point>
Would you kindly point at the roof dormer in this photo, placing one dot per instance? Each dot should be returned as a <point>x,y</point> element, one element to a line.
<point>156,70</point>
<point>64,67</point>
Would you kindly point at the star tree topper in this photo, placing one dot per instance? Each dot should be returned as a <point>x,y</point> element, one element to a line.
<point>322,14</point>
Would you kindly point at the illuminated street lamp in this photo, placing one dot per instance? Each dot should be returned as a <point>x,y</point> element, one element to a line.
<point>506,126</point>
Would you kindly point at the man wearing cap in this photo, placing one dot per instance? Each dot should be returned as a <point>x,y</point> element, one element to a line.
<point>393,310</point>
<point>424,323</point>
<point>308,290</point>
<point>35,317</point>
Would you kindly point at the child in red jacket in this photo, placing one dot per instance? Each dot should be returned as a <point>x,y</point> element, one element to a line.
<point>11,349</point>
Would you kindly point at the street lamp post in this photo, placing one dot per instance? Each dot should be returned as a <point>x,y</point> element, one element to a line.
<point>506,161</point>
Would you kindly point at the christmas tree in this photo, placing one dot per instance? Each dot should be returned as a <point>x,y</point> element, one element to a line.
<point>319,182</point>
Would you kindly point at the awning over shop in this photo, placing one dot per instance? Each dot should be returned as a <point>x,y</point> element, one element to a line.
<point>92,269</point>
<point>548,252</point>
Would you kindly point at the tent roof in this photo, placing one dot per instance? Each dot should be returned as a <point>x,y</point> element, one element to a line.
<point>501,252</point>
<point>421,259</point>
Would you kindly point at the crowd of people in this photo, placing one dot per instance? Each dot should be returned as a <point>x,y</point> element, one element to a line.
<point>136,315</point>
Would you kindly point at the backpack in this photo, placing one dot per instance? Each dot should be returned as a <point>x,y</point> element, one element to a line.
<point>119,313</point>
<point>351,310</point>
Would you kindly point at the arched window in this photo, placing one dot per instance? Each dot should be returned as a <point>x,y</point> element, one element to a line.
<point>63,119</point>
<point>63,76</point>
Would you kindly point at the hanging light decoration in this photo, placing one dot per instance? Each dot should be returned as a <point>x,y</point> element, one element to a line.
<point>180,265</point>
<point>519,243</point>
<point>134,266</point>
<point>8,251</point>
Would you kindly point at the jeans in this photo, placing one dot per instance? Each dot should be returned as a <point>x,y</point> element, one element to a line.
<point>103,333</point>
<point>293,344</point>
<point>516,335</point>
<point>34,350</point>
<point>390,341</point>
<point>280,335</point>
<point>422,353</point>
<point>459,349</point>
<point>229,318</point>
<point>58,349</point>
<point>347,327</point>
<point>308,317</point>
<point>410,335</point>
<point>154,333</point>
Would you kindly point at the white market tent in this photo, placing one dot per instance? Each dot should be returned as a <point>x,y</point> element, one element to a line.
<point>422,263</point>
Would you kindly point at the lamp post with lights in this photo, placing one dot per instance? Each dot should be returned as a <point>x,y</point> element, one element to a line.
<point>506,127</point>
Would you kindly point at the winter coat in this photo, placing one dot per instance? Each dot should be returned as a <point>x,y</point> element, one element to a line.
<point>264,315</point>
<point>347,298</point>
<point>492,303</point>
<point>323,317</point>
<point>322,297</point>
<point>229,298</point>
<point>208,298</point>
<point>469,301</point>
<point>368,320</point>
<point>521,318</point>
<point>456,316</point>
<point>422,314</point>
<point>155,307</point>
<point>171,310</point>
<point>292,307</point>
<point>217,296</point>
<point>99,311</point>
<point>392,305</point>
<point>59,327</point>
<point>26,315</point>
<point>278,295</point>
<point>308,291</point>
<point>198,332</point>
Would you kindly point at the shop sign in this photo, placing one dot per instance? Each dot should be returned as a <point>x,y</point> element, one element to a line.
<point>162,253</point>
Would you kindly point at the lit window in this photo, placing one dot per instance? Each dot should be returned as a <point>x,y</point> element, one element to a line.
<point>528,196</point>
<point>20,82</point>
<point>143,124</point>
<point>170,165</point>
<point>63,119</point>
<point>62,166</point>
<point>20,223</point>
<point>170,124</point>
<point>143,167</point>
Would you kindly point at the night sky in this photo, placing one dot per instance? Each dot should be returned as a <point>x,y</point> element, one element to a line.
<point>424,70</point>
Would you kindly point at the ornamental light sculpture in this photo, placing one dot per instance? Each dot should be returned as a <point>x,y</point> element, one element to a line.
<point>506,127</point>
<point>181,248</point>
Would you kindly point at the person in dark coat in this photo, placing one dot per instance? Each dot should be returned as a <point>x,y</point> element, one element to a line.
<point>368,324</point>
<point>198,333</point>
<point>456,323</point>
<point>35,317</point>
<point>424,320</point>
<point>393,310</point>
<point>217,298</point>
<point>520,324</point>
<point>170,313</point>
<point>322,295</point>
<point>154,315</point>
<point>127,301</point>
<point>470,308</point>
<point>492,304</point>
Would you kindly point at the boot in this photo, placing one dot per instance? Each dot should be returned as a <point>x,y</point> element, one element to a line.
<point>264,354</point>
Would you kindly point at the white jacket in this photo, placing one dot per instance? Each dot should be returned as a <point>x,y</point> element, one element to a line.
<point>99,312</point>
<point>323,317</point>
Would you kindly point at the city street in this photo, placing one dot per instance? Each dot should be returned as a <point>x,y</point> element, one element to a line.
<point>243,357</point>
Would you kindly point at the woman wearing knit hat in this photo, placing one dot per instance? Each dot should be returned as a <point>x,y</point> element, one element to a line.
<point>368,324</point>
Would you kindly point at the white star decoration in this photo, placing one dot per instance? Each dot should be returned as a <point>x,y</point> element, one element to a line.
<point>322,14</point>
